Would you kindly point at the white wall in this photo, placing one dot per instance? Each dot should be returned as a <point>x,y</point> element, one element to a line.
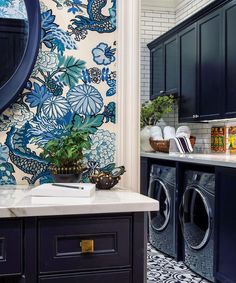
<point>154,22</point>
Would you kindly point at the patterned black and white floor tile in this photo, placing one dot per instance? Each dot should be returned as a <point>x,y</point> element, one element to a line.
<point>163,269</point>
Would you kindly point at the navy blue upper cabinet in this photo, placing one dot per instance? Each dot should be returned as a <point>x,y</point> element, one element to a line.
<point>201,80</point>
<point>202,50</point>
<point>171,74</point>
<point>19,45</point>
<point>188,73</point>
<point>229,24</point>
<point>163,68</point>
<point>210,44</point>
<point>157,71</point>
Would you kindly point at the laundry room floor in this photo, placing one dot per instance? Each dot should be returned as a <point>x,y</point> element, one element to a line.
<point>164,269</point>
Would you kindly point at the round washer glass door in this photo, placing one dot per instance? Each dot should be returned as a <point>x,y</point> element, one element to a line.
<point>158,191</point>
<point>195,218</point>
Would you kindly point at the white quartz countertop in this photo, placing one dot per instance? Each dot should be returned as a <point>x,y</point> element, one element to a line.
<point>206,159</point>
<point>17,202</point>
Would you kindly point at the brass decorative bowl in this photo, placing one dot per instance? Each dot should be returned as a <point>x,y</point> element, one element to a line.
<point>104,181</point>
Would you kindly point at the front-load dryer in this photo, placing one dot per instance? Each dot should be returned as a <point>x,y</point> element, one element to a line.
<point>197,222</point>
<point>162,223</point>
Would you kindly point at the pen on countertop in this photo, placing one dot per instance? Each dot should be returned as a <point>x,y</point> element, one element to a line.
<point>68,186</point>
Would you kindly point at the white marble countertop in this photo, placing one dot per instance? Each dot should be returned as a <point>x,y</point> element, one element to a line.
<point>17,202</point>
<point>206,159</point>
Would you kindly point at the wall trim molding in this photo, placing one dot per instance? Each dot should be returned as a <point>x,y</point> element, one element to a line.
<point>128,91</point>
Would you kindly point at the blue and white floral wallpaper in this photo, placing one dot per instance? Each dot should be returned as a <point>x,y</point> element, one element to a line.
<point>73,83</point>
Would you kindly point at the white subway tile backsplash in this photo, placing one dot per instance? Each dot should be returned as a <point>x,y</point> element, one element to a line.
<point>188,7</point>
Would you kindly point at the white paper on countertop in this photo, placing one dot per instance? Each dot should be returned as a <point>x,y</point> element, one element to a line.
<point>50,190</point>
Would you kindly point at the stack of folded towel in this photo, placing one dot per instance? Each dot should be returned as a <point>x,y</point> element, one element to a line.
<point>182,139</point>
<point>156,133</point>
<point>179,140</point>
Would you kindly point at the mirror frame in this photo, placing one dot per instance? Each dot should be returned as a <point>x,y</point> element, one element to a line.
<point>11,89</point>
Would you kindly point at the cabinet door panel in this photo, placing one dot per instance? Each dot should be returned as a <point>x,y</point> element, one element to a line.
<point>10,247</point>
<point>60,245</point>
<point>230,59</point>
<point>157,71</point>
<point>225,225</point>
<point>171,75</point>
<point>210,66</point>
<point>188,73</point>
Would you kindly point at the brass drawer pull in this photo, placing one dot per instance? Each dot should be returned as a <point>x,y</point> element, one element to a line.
<point>87,246</point>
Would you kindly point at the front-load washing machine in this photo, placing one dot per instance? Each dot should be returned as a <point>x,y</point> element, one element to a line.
<point>162,232</point>
<point>197,222</point>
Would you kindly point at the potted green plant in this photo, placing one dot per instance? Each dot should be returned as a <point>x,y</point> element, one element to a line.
<point>151,113</point>
<point>66,156</point>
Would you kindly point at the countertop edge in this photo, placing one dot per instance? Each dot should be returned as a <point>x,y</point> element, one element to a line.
<point>192,159</point>
<point>21,212</point>
<point>104,203</point>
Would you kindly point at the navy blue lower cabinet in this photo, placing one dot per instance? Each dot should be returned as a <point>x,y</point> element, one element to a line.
<point>74,249</point>
<point>225,227</point>
<point>102,277</point>
<point>11,247</point>
<point>60,246</point>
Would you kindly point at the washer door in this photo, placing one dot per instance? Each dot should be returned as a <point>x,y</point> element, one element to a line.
<point>195,218</point>
<point>158,191</point>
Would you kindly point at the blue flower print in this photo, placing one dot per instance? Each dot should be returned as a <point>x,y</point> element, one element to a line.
<point>44,129</point>
<point>16,115</point>
<point>54,37</point>
<point>103,146</point>
<point>85,99</point>
<point>4,153</point>
<point>103,54</point>
<point>47,22</point>
<point>47,61</point>
<point>68,88</point>
<point>38,95</point>
<point>55,107</point>
<point>112,90</point>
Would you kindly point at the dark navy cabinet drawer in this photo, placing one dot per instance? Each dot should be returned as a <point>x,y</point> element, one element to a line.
<point>60,240</point>
<point>10,247</point>
<point>103,277</point>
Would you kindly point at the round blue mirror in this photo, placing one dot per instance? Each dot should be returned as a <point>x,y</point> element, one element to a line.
<point>19,45</point>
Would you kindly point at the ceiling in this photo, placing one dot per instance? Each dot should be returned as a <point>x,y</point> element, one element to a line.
<point>161,3</point>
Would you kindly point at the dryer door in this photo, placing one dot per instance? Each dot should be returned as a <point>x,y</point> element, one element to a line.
<point>160,219</point>
<point>195,218</point>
